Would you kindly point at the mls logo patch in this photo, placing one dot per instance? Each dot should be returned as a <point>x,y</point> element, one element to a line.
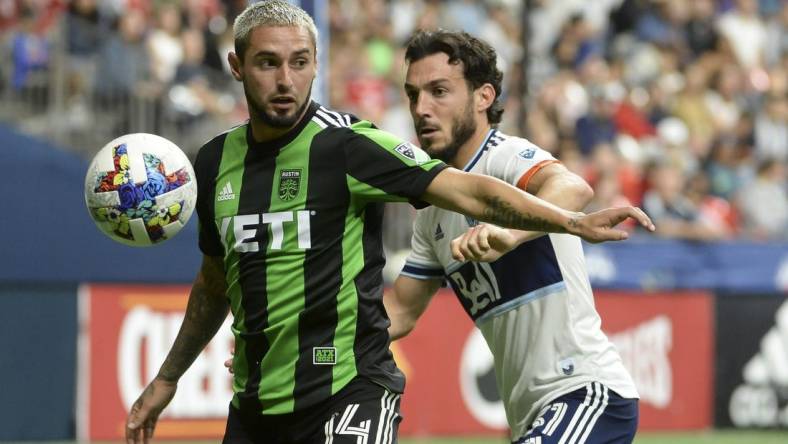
<point>324,355</point>
<point>410,151</point>
<point>471,221</point>
<point>527,153</point>
<point>289,184</point>
<point>406,149</point>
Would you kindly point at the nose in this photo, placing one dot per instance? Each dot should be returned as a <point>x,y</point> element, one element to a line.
<point>283,77</point>
<point>421,106</point>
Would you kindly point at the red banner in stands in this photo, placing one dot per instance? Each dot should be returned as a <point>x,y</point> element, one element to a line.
<point>126,331</point>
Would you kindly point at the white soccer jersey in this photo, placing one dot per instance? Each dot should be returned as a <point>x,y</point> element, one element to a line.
<point>534,305</point>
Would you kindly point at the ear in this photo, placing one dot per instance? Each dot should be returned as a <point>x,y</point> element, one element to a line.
<point>235,65</point>
<point>485,96</point>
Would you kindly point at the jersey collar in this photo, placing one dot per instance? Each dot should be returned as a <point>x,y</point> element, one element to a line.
<point>275,145</point>
<point>479,151</point>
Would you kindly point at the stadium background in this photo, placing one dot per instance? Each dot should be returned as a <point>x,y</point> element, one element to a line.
<point>677,106</point>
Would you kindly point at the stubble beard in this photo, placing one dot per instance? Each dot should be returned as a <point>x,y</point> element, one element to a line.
<point>275,120</point>
<point>463,128</point>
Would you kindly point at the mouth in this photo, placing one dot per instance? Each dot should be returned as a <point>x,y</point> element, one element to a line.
<point>283,101</point>
<point>427,131</point>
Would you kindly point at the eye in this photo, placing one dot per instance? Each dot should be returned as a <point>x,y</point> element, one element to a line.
<point>266,63</point>
<point>439,92</point>
<point>300,63</point>
<point>412,96</point>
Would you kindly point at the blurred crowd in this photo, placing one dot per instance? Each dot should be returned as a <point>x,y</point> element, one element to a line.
<point>677,106</point>
<point>121,52</point>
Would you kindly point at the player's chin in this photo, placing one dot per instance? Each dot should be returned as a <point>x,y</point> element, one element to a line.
<point>281,120</point>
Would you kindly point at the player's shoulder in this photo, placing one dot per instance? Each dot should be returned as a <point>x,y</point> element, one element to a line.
<point>211,151</point>
<point>343,126</point>
<point>353,131</point>
<point>504,145</point>
<point>327,118</point>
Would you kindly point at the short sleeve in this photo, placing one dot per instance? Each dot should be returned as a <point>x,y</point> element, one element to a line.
<point>422,263</point>
<point>383,167</point>
<point>206,166</point>
<point>516,160</point>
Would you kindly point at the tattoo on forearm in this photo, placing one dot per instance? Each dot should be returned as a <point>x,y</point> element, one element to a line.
<point>502,213</point>
<point>574,221</point>
<point>204,316</point>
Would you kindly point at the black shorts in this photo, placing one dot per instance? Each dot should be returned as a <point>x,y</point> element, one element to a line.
<point>362,412</point>
<point>589,415</point>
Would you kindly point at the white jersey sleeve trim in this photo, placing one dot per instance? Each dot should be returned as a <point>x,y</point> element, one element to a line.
<point>522,300</point>
<point>421,271</point>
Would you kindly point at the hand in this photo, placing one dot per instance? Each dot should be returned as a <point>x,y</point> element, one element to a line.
<point>483,243</point>
<point>146,410</point>
<point>598,226</point>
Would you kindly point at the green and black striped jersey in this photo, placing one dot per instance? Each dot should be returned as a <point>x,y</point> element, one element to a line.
<point>298,223</point>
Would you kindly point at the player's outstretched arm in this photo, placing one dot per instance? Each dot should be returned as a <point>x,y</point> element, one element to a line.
<point>553,183</point>
<point>492,200</point>
<point>205,313</point>
<point>406,301</point>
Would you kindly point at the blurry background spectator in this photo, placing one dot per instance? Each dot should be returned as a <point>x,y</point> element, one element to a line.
<point>30,53</point>
<point>764,202</point>
<point>673,212</point>
<point>124,69</point>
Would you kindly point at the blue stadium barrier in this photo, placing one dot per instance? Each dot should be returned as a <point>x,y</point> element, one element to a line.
<point>48,235</point>
<point>666,264</point>
<point>38,331</point>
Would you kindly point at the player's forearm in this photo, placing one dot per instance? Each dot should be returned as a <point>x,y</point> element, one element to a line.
<point>402,320</point>
<point>205,313</point>
<point>564,190</point>
<point>400,326</point>
<point>494,201</point>
<point>406,301</point>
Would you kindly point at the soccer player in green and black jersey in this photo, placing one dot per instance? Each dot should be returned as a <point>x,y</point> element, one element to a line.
<point>290,229</point>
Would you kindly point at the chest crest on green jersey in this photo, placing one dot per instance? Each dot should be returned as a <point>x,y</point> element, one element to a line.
<point>289,184</point>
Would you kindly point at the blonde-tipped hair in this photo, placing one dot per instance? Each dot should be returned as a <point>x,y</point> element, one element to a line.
<point>269,13</point>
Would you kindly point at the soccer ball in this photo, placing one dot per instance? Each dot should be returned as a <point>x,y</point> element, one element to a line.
<point>140,189</point>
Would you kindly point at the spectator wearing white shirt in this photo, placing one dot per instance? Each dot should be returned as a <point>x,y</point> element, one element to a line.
<point>745,33</point>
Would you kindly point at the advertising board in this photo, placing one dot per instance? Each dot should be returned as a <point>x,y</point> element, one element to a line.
<point>752,361</point>
<point>665,340</point>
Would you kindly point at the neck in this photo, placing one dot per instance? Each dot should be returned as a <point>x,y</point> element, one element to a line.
<point>264,132</point>
<point>468,149</point>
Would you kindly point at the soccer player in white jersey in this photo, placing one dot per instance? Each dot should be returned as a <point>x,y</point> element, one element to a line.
<point>562,381</point>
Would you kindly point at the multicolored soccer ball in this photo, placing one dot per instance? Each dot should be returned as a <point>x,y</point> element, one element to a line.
<point>140,189</point>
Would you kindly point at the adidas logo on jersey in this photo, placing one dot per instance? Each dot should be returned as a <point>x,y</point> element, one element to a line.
<point>439,233</point>
<point>226,193</point>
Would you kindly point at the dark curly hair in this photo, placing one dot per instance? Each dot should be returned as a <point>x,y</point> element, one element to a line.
<point>478,60</point>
